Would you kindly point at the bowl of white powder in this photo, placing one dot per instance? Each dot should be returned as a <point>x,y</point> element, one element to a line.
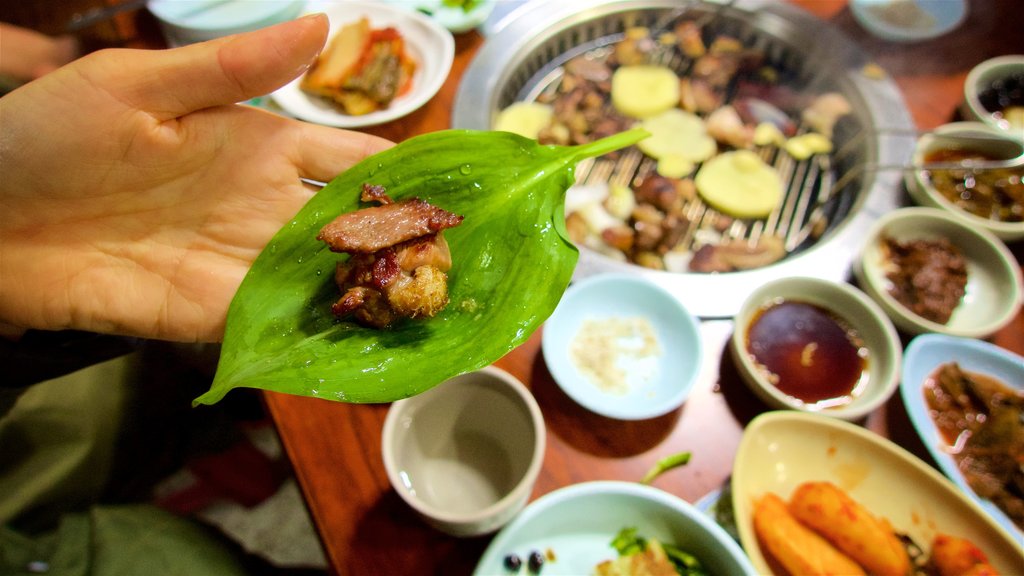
<point>623,347</point>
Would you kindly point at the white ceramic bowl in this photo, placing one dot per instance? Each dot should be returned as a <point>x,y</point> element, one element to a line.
<point>993,291</point>
<point>849,304</point>
<point>580,338</point>
<point>979,79</point>
<point>925,194</point>
<point>428,43</point>
<point>925,355</point>
<point>454,18</point>
<point>909,21</point>
<point>781,450</point>
<point>188,21</point>
<point>577,524</point>
<point>466,453</point>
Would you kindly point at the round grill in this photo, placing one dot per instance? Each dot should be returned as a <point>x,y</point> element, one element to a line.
<point>820,224</point>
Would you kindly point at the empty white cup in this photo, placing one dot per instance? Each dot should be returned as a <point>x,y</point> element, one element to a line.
<point>466,453</point>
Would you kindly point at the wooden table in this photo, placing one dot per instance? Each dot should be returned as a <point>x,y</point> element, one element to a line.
<point>335,448</point>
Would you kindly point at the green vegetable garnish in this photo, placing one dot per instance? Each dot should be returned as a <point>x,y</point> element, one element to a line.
<point>511,262</point>
<point>466,5</point>
<point>629,542</point>
<point>665,464</point>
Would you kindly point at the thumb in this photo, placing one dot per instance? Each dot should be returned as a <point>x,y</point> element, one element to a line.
<point>178,81</point>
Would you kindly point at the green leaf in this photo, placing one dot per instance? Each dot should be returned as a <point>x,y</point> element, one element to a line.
<point>511,261</point>
<point>664,465</point>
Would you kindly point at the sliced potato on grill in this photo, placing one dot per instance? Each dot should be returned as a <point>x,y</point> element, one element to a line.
<point>677,135</point>
<point>524,118</point>
<point>739,184</point>
<point>644,90</point>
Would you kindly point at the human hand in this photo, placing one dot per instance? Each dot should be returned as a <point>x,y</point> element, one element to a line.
<point>28,54</point>
<point>136,194</point>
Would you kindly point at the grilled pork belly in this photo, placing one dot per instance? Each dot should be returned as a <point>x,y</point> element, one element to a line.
<point>399,259</point>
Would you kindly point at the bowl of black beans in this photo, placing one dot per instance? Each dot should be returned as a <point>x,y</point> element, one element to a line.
<point>994,93</point>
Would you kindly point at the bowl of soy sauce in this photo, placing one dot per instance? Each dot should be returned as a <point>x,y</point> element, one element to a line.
<point>818,346</point>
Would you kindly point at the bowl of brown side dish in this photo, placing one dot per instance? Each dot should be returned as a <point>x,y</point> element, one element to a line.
<point>991,199</point>
<point>931,272</point>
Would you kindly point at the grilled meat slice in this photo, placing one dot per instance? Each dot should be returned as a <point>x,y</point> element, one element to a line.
<point>399,259</point>
<point>371,229</point>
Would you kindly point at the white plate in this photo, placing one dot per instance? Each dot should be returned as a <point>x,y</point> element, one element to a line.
<point>924,356</point>
<point>780,450</point>
<point>431,46</point>
<point>577,524</point>
<point>655,384</point>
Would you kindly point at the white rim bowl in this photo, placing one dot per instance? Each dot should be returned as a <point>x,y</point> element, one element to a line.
<point>924,194</point>
<point>854,307</point>
<point>466,454</point>
<point>979,79</point>
<point>655,384</point>
<point>578,522</point>
<point>188,21</point>
<point>993,292</point>
<point>884,18</point>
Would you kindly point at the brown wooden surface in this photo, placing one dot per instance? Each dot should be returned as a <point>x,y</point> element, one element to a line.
<point>335,448</point>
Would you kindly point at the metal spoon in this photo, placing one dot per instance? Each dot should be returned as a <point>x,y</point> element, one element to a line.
<point>1011,152</point>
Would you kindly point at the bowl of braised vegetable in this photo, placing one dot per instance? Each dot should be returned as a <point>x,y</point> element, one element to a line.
<point>931,272</point>
<point>965,397</point>
<point>816,346</point>
<point>991,198</point>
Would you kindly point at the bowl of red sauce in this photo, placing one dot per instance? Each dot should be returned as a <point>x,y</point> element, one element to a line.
<point>816,346</point>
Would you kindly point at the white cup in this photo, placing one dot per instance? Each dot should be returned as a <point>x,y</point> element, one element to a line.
<point>465,454</point>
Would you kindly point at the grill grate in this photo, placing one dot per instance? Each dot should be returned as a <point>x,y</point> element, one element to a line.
<point>830,201</point>
<point>810,206</point>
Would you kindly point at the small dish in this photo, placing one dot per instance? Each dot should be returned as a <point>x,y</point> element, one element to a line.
<point>465,454</point>
<point>924,192</point>
<point>188,21</point>
<point>454,18</point>
<point>993,292</point>
<point>622,347</point>
<point>854,311</point>
<point>577,524</point>
<point>991,75</point>
<point>925,354</point>
<point>781,450</point>
<point>909,20</point>
<point>431,46</point>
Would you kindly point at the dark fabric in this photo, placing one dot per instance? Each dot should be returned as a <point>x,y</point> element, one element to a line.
<point>42,355</point>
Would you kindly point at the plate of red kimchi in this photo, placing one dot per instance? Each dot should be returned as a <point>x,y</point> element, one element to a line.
<point>380,63</point>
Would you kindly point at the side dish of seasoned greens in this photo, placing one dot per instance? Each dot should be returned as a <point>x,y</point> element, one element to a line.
<point>648,556</point>
<point>512,260</point>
